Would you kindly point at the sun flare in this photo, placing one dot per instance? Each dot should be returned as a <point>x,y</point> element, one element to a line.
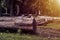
<point>58,2</point>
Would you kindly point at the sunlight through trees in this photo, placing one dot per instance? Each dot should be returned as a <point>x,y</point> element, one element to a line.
<point>46,7</point>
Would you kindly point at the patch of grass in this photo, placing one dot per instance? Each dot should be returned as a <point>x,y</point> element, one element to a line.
<point>52,25</point>
<point>17,36</point>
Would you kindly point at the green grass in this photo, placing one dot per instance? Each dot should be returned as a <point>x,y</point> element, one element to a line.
<point>17,36</point>
<point>54,25</point>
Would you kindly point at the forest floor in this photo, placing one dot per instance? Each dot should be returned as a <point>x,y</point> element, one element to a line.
<point>49,32</point>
